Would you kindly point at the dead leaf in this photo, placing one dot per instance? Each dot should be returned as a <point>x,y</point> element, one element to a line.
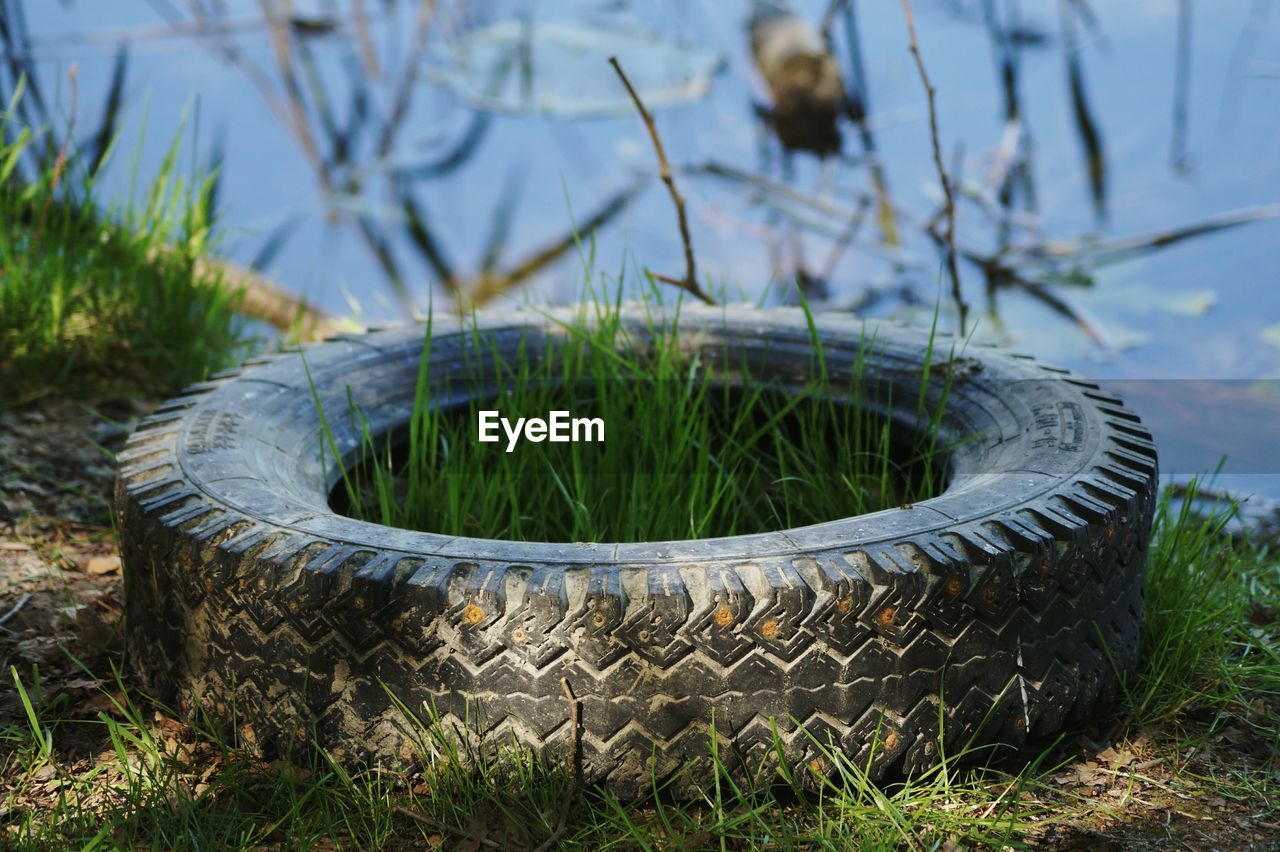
<point>14,545</point>
<point>168,724</point>
<point>1090,774</point>
<point>1116,759</point>
<point>103,565</point>
<point>477,833</point>
<point>104,703</point>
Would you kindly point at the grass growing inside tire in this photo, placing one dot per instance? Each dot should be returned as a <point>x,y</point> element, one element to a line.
<point>695,444</point>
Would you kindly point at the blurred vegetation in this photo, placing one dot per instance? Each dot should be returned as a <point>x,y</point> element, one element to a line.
<point>100,301</point>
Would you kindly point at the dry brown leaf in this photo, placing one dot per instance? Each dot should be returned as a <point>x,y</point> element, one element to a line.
<point>100,565</point>
<point>477,833</point>
<point>168,724</point>
<point>1090,774</point>
<point>1116,759</point>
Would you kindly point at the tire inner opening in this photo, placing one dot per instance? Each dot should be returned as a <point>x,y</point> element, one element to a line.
<point>747,459</point>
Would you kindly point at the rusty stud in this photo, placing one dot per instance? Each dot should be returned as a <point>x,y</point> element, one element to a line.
<point>724,616</point>
<point>473,614</point>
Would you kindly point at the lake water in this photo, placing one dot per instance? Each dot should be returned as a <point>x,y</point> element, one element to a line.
<point>378,159</point>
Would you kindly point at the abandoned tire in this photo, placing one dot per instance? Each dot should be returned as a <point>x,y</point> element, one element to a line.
<point>1001,610</point>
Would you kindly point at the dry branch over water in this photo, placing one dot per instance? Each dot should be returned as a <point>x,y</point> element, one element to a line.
<point>690,280</point>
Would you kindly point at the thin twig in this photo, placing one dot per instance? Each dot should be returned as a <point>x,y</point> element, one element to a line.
<point>60,163</point>
<point>834,7</point>
<point>444,827</point>
<point>950,248</point>
<point>574,763</point>
<point>489,285</point>
<point>1179,159</point>
<point>295,105</point>
<point>408,77</point>
<point>368,53</point>
<point>1114,251</point>
<point>851,234</point>
<point>16,608</point>
<point>690,282</point>
<point>999,274</point>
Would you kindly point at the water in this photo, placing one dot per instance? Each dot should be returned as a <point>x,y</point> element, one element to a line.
<point>1179,144</point>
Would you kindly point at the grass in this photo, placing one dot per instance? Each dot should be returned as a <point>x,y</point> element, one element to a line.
<point>696,444</point>
<point>1210,640</point>
<point>97,303</point>
<point>128,775</point>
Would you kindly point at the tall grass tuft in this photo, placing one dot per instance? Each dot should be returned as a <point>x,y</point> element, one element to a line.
<point>697,444</point>
<point>1211,643</point>
<point>95,302</point>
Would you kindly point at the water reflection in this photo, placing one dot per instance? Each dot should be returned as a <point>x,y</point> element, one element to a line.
<point>394,153</point>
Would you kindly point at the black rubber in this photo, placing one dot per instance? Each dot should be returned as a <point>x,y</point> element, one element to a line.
<point>1014,597</point>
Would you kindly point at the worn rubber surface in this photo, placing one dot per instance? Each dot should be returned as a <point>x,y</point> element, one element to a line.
<point>1014,597</point>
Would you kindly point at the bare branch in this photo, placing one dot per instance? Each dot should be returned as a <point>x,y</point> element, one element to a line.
<point>574,765</point>
<point>490,284</point>
<point>690,282</point>
<point>445,828</point>
<point>950,238</point>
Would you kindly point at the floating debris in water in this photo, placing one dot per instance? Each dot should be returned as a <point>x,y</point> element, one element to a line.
<point>804,82</point>
<point>560,69</point>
